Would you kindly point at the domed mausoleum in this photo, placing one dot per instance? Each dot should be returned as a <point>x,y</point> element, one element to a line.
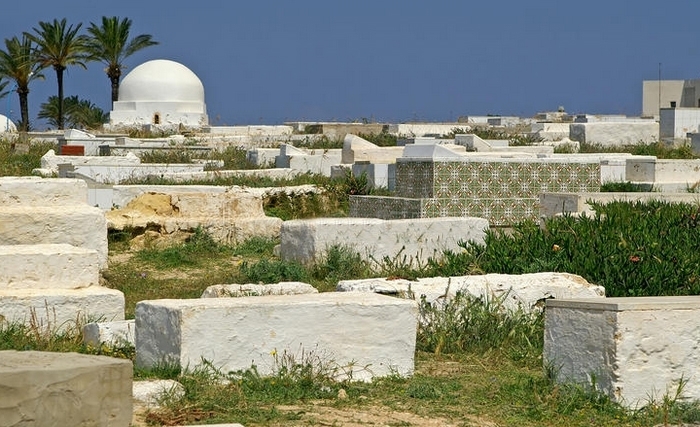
<point>160,92</point>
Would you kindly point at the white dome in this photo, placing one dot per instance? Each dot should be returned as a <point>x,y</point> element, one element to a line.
<point>161,80</point>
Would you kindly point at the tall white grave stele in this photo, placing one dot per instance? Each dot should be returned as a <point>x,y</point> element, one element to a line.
<point>6,125</point>
<point>160,92</point>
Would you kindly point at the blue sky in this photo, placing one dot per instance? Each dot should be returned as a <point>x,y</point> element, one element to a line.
<point>272,61</point>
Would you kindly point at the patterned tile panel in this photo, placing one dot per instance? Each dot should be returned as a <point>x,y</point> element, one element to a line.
<point>416,179</point>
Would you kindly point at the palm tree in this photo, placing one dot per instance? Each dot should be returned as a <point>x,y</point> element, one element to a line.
<point>110,44</point>
<point>18,63</point>
<point>78,113</point>
<point>59,46</point>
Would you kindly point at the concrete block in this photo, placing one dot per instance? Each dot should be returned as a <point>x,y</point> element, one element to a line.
<point>250,289</point>
<point>150,392</point>
<point>416,239</point>
<point>117,333</point>
<point>361,336</point>
<point>36,191</point>
<point>64,389</point>
<point>636,349</point>
<point>54,309</point>
<point>525,292</point>
<point>78,225</point>
<point>49,266</point>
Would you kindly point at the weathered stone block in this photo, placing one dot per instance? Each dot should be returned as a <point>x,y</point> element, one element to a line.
<point>634,349</point>
<point>361,335</point>
<point>78,225</point>
<point>117,333</point>
<point>416,239</point>
<point>64,389</point>
<point>35,191</point>
<point>55,309</point>
<point>48,266</point>
<point>516,291</point>
<point>250,289</point>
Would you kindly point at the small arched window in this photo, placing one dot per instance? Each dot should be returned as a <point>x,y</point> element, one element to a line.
<point>156,119</point>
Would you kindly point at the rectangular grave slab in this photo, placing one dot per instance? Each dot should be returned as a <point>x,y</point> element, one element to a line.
<point>361,336</point>
<point>636,350</point>
<point>35,191</point>
<point>56,309</point>
<point>78,225</point>
<point>415,239</point>
<point>49,266</point>
<point>64,389</point>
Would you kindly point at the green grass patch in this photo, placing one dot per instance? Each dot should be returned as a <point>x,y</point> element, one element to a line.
<point>20,158</point>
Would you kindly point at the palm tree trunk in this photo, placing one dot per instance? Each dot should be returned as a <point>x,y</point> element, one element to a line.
<point>23,93</point>
<point>59,77</point>
<point>115,89</point>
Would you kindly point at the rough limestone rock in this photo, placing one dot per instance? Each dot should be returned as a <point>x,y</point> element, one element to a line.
<point>517,291</point>
<point>64,389</point>
<point>250,289</point>
<point>415,239</point>
<point>55,309</point>
<point>636,349</point>
<point>150,392</point>
<point>114,334</point>
<point>48,266</point>
<point>360,335</point>
<point>78,225</point>
<point>229,217</point>
<point>36,191</point>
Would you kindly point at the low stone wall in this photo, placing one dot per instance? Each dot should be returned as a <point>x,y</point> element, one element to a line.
<point>525,292</point>
<point>416,240</point>
<point>552,204</point>
<point>610,134</point>
<point>636,350</point>
<point>33,191</point>
<point>361,337</point>
<point>64,389</point>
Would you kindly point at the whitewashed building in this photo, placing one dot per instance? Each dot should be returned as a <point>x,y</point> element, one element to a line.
<point>162,93</point>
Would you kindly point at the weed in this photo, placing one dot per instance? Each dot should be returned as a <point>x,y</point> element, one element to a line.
<point>469,324</point>
<point>20,162</point>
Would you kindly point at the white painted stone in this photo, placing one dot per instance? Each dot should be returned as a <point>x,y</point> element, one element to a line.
<point>662,172</point>
<point>615,133</point>
<point>50,266</point>
<point>77,225</point>
<point>116,174</point>
<point>552,204</point>
<point>117,333</point>
<point>308,161</point>
<point>379,175</point>
<point>356,149</point>
<point>416,239</point>
<point>636,349</point>
<point>250,289</point>
<point>150,392</point>
<point>363,336</point>
<point>50,160</point>
<point>56,309</point>
<point>36,191</point>
<point>277,173</point>
<point>64,389</point>
<point>518,291</point>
